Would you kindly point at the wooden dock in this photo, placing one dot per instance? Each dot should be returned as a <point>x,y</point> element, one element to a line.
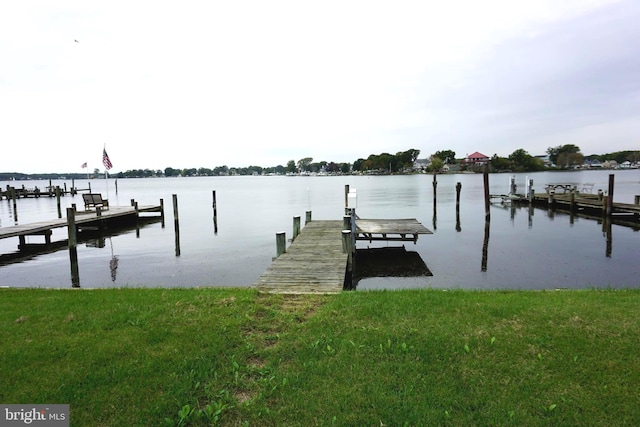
<point>83,219</point>
<point>313,263</point>
<point>316,262</point>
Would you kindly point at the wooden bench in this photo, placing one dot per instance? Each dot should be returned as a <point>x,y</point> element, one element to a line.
<point>94,200</point>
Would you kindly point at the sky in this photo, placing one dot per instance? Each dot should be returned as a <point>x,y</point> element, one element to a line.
<point>210,83</point>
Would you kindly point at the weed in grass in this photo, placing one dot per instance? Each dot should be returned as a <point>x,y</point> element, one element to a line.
<point>466,348</point>
<point>493,340</point>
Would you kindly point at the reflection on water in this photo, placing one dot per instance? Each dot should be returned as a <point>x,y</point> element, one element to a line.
<point>388,262</point>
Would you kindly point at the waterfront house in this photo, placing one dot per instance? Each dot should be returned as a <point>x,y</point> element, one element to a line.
<point>477,158</point>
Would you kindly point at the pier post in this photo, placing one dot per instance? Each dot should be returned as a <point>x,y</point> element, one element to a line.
<point>116,186</point>
<point>176,223</point>
<point>487,196</point>
<point>73,247</point>
<point>458,189</point>
<point>572,204</point>
<point>89,185</point>
<point>307,218</point>
<point>65,189</point>
<point>485,246</point>
<point>215,211</point>
<point>636,199</point>
<point>435,186</point>
<point>531,192</point>
<point>281,243</point>
<point>610,195</point>
<point>162,211</point>
<point>15,206</point>
<point>98,211</point>
<point>296,227</point>
<point>73,187</point>
<point>346,195</point>
<point>58,201</point>
<point>551,199</point>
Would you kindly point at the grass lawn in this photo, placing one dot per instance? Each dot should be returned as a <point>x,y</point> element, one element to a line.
<point>212,356</point>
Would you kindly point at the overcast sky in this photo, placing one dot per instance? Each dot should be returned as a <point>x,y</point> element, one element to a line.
<point>238,83</point>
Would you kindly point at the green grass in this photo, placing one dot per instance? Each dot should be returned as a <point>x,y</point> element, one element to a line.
<point>235,357</point>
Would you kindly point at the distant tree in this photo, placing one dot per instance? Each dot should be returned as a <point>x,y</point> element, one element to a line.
<point>357,165</point>
<point>447,156</point>
<point>436,164</point>
<point>555,152</point>
<point>303,164</point>
<point>500,163</point>
<point>168,171</point>
<point>522,161</point>
<point>345,167</point>
<point>291,166</point>
<point>280,170</point>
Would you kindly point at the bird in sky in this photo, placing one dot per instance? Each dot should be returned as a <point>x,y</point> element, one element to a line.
<point>76,41</point>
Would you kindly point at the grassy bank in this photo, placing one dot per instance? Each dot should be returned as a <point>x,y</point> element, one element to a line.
<point>234,357</point>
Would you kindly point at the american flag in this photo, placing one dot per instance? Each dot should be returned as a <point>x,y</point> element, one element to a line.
<point>105,159</point>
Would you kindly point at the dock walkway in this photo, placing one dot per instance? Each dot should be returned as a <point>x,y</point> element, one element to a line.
<point>313,263</point>
<point>82,219</point>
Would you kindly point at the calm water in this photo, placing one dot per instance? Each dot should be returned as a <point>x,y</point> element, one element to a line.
<point>532,250</point>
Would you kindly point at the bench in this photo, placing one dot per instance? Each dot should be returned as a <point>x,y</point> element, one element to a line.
<point>94,200</point>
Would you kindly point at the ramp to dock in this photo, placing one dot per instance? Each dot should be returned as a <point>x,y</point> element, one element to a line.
<point>313,263</point>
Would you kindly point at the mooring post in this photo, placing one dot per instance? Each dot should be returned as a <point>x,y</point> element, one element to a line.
<point>89,186</point>
<point>458,189</point>
<point>610,195</point>
<point>73,187</point>
<point>15,205</point>
<point>636,199</point>
<point>512,185</point>
<point>98,211</point>
<point>73,249</point>
<point>116,185</point>
<point>435,186</point>
<point>214,205</point>
<point>572,203</point>
<point>296,227</point>
<point>551,199</point>
<point>65,189</point>
<point>281,243</point>
<point>531,192</point>
<point>162,211</point>
<point>346,195</point>
<point>50,189</point>
<point>485,246</point>
<point>58,201</point>
<point>176,223</point>
<point>307,218</point>
<point>487,197</point>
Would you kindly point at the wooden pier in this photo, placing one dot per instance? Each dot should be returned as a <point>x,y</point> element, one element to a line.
<point>317,260</point>
<point>313,263</point>
<point>83,219</point>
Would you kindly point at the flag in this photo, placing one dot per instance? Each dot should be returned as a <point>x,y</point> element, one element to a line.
<point>105,159</point>
<point>84,165</point>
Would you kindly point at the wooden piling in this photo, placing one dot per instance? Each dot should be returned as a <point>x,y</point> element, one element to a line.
<point>435,186</point>
<point>296,227</point>
<point>572,201</point>
<point>15,205</point>
<point>531,192</point>
<point>73,249</point>
<point>215,211</point>
<point>116,185</point>
<point>636,199</point>
<point>485,246</point>
<point>176,223</point>
<point>458,189</point>
<point>73,187</point>
<point>162,211</point>
<point>281,243</point>
<point>346,195</point>
<point>58,201</point>
<point>307,218</point>
<point>487,196</point>
<point>610,195</point>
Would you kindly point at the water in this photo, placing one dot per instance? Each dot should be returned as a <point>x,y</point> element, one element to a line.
<point>523,251</point>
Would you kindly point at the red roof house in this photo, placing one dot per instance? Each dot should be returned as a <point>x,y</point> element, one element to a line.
<point>477,159</point>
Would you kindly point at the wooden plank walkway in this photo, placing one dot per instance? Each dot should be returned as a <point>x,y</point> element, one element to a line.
<point>313,263</point>
<point>82,218</point>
